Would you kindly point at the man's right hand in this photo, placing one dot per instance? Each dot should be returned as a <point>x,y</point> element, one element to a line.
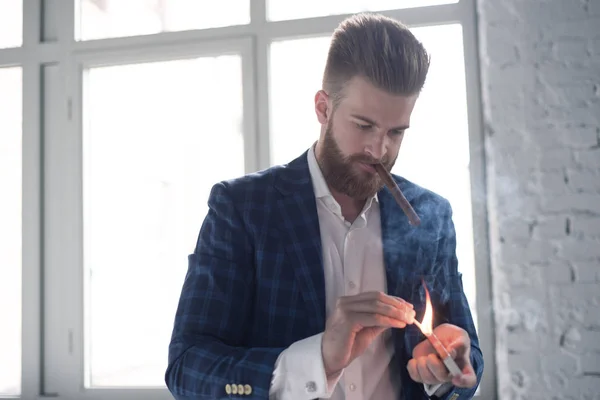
<point>356,321</point>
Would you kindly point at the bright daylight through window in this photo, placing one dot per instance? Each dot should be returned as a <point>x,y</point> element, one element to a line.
<point>278,10</point>
<point>147,174</point>
<point>101,19</point>
<point>11,23</point>
<point>10,231</point>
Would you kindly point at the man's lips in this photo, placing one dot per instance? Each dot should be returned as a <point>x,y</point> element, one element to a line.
<point>367,167</point>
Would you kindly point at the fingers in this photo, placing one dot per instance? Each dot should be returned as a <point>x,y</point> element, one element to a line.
<point>459,349</point>
<point>423,349</point>
<point>424,372</point>
<point>426,367</point>
<point>413,371</point>
<point>378,303</point>
<point>403,314</point>
<point>429,370</point>
<point>374,295</point>
<point>468,379</point>
<point>437,368</point>
<point>459,346</point>
<point>369,319</point>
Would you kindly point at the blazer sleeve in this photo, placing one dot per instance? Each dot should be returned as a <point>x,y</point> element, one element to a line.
<point>206,354</point>
<point>456,309</point>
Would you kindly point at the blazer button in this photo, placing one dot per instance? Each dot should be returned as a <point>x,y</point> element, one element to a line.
<point>311,387</point>
<point>228,388</point>
<point>240,388</point>
<point>247,389</point>
<point>234,389</point>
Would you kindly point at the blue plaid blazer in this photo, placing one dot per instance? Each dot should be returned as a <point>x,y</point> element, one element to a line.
<point>255,282</point>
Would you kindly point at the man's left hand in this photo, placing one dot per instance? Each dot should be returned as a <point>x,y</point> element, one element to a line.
<point>427,367</point>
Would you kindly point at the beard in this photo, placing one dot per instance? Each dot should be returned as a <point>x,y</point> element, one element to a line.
<point>341,172</point>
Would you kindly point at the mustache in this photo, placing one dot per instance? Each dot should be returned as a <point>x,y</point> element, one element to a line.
<point>368,160</point>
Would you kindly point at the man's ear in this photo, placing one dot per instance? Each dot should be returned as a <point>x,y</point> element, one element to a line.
<point>322,107</point>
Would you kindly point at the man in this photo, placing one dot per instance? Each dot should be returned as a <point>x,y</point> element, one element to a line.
<point>307,277</point>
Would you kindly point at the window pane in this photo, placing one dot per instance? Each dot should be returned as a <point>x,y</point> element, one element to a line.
<point>99,19</point>
<point>11,23</point>
<point>296,70</point>
<point>157,136</point>
<point>278,10</point>
<point>439,118</point>
<point>10,231</point>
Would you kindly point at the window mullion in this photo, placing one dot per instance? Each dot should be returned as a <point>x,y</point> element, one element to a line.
<point>485,318</point>
<point>32,253</point>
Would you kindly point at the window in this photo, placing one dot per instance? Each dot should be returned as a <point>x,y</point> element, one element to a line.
<point>292,85</point>
<point>10,231</point>
<point>100,19</point>
<point>285,10</point>
<point>133,110</point>
<point>440,117</point>
<point>11,23</point>
<point>151,156</point>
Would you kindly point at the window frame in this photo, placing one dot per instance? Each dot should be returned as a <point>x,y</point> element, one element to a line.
<point>53,63</point>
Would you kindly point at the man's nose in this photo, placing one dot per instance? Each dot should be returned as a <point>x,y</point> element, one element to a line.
<point>377,147</point>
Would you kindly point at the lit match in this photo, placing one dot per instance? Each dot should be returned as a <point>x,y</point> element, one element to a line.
<point>426,327</point>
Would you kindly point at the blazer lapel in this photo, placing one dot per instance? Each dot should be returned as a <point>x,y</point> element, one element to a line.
<point>301,236</point>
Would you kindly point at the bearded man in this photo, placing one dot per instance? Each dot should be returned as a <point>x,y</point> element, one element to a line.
<point>307,277</point>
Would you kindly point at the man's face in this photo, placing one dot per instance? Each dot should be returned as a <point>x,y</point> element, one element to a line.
<point>366,128</point>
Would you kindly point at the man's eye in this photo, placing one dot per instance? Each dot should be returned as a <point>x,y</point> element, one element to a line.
<point>398,132</point>
<point>363,127</point>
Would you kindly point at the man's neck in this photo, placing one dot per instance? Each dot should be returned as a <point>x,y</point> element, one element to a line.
<point>351,208</point>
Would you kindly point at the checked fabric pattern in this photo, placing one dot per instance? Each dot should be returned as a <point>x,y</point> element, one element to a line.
<point>255,282</point>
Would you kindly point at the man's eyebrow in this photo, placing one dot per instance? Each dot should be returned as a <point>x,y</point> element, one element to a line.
<point>371,122</point>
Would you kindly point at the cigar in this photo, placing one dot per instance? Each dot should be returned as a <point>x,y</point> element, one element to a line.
<point>389,181</point>
<point>442,352</point>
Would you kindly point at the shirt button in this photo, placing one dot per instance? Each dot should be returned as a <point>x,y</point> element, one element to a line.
<point>311,387</point>
<point>351,284</point>
<point>352,387</point>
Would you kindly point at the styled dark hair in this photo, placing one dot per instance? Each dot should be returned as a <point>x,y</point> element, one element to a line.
<point>379,49</point>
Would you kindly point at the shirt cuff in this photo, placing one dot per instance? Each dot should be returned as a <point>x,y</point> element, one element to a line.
<point>438,390</point>
<point>299,372</point>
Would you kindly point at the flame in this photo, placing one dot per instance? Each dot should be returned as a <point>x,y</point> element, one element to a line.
<point>427,322</point>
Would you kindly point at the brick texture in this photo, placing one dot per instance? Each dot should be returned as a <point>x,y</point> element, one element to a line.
<point>540,74</point>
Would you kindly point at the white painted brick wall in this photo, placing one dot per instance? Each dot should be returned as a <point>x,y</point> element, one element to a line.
<point>540,69</point>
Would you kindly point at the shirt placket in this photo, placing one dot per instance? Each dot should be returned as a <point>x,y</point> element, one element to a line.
<point>352,273</point>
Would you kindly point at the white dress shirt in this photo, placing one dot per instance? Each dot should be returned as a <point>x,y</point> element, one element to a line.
<point>353,263</point>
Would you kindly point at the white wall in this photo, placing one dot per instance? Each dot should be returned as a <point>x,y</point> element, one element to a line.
<point>540,69</point>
